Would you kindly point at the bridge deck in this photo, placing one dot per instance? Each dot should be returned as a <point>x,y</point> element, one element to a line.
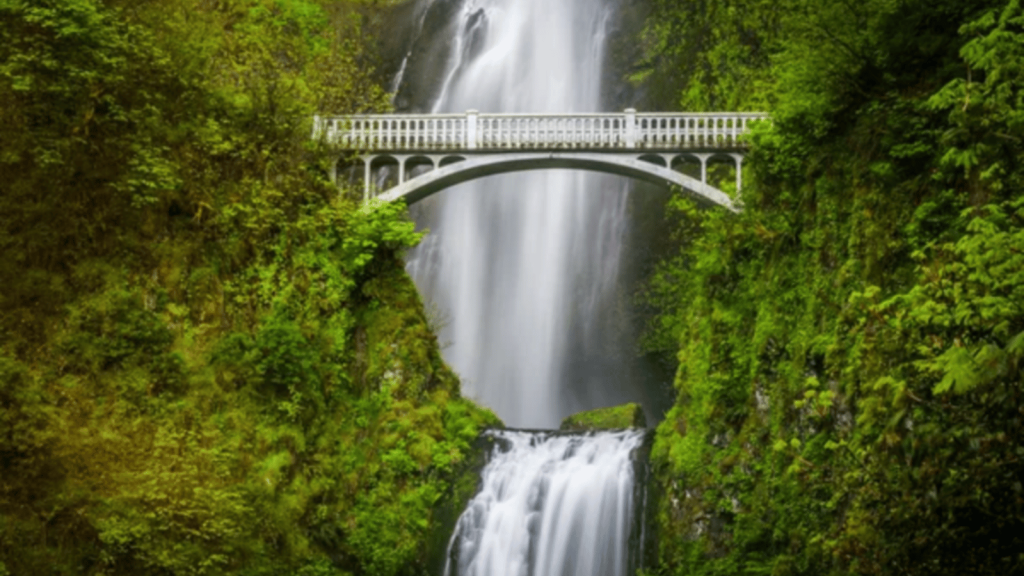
<point>475,132</point>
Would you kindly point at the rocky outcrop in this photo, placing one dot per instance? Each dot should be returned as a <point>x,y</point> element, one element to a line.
<point>624,416</point>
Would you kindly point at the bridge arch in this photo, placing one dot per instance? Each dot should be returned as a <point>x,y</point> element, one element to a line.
<point>478,166</point>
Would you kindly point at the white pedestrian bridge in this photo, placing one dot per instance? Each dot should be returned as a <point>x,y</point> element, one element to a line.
<point>435,151</point>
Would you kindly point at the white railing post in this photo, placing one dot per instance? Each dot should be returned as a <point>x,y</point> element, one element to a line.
<point>471,135</point>
<point>630,127</point>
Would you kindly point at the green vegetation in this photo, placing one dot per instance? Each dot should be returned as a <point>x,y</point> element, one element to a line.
<point>210,361</point>
<point>615,417</point>
<point>849,347</point>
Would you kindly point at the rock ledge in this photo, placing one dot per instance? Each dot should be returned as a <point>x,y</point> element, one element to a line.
<point>616,417</point>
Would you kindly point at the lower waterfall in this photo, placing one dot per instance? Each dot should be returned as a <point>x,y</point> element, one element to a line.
<point>550,504</point>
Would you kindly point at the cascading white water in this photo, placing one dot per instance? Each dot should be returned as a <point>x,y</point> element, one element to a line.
<point>521,265</point>
<point>525,267</point>
<point>549,505</point>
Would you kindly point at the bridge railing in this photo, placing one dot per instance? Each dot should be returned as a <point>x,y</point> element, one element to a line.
<point>493,132</point>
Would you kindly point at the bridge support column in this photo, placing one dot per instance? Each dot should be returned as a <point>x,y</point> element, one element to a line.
<point>739,172</point>
<point>367,162</point>
<point>703,166</point>
<point>401,168</point>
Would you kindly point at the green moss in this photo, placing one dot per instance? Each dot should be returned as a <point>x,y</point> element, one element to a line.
<point>465,484</point>
<point>615,417</point>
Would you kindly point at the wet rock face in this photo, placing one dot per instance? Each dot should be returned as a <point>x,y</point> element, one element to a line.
<point>616,417</point>
<point>426,33</point>
<point>454,501</point>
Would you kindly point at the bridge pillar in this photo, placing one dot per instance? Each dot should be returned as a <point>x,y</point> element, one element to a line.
<point>367,161</point>
<point>739,171</point>
<point>401,167</point>
<point>703,166</point>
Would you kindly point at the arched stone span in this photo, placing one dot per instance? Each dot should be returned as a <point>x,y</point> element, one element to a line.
<point>478,166</point>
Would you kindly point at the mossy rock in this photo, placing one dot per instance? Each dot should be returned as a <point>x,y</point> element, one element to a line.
<point>615,417</point>
<point>465,484</point>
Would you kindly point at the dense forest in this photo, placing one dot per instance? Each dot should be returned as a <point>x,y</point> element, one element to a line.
<point>211,362</point>
<point>849,385</point>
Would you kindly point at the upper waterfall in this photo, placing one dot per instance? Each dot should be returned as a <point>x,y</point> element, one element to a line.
<point>525,265</point>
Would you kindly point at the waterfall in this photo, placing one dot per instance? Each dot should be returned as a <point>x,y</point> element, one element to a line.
<point>524,267</point>
<point>550,505</point>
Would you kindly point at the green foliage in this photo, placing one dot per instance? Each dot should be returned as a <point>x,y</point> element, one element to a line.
<point>211,361</point>
<point>709,55</point>
<point>849,347</point>
<point>629,415</point>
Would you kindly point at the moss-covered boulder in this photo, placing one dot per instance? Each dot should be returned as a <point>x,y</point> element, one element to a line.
<point>624,416</point>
